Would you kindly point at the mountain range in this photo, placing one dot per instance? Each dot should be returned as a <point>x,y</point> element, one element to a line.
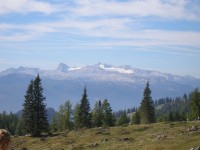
<point>122,85</point>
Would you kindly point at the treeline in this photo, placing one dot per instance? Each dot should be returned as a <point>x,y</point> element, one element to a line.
<point>101,115</point>
<point>34,120</point>
<point>182,108</point>
<point>9,122</point>
<point>177,109</point>
<point>82,116</point>
<point>128,111</point>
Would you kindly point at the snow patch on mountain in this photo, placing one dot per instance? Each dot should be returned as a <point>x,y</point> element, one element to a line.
<point>102,72</point>
<point>115,69</point>
<point>74,68</point>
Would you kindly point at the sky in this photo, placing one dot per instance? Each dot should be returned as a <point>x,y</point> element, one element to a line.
<point>162,35</point>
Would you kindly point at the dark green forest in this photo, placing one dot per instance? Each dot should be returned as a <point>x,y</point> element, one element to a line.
<point>33,119</point>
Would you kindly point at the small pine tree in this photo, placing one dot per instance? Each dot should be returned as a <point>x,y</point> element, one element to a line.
<point>195,104</point>
<point>97,115</point>
<point>61,119</point>
<point>85,115</point>
<point>123,119</point>
<point>4,122</point>
<point>67,115</point>
<point>19,128</point>
<point>13,121</point>
<point>108,117</point>
<point>147,110</point>
<point>136,118</point>
<point>77,119</point>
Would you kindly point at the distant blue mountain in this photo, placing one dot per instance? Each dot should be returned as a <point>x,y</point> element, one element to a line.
<point>122,85</point>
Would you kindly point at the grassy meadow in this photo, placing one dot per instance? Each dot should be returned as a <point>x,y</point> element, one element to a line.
<point>157,136</point>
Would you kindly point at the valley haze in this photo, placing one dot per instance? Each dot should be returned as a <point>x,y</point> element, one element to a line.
<point>122,85</point>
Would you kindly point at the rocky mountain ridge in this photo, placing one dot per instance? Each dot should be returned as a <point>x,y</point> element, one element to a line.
<point>121,85</point>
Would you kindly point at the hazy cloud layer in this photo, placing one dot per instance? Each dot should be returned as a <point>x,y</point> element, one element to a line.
<point>125,23</point>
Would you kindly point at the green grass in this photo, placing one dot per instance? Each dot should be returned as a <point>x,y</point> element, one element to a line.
<point>158,136</point>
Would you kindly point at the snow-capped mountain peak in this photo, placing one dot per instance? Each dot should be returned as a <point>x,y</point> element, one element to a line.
<point>115,69</point>
<point>122,85</point>
<point>98,72</point>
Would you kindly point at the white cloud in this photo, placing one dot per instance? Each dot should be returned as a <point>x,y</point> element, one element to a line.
<point>75,26</point>
<point>171,9</point>
<point>168,9</point>
<point>26,6</point>
<point>103,18</point>
<point>17,37</point>
<point>108,28</point>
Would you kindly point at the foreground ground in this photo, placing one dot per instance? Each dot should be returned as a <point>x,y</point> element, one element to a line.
<point>158,136</point>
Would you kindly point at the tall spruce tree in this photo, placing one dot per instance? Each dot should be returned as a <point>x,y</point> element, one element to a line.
<point>28,114</point>
<point>39,108</point>
<point>147,110</point>
<point>34,109</point>
<point>85,115</point>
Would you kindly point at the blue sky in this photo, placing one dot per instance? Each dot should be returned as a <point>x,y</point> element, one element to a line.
<point>162,35</point>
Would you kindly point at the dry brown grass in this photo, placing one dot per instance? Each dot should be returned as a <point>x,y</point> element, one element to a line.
<point>158,136</point>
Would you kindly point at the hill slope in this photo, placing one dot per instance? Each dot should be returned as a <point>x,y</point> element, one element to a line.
<point>159,136</point>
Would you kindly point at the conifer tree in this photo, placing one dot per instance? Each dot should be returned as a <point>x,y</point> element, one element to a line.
<point>77,119</point>
<point>39,108</point>
<point>19,128</point>
<point>123,119</point>
<point>68,113</point>
<point>97,116</point>
<point>9,122</point>
<point>136,118</point>
<point>28,114</point>
<point>65,112</point>
<point>195,104</point>
<point>61,121</point>
<point>34,109</point>
<point>108,117</point>
<point>147,110</point>
<point>85,115</point>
